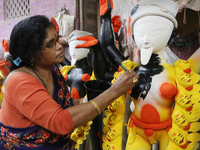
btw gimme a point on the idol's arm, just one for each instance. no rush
(107, 35)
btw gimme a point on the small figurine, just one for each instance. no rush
(81, 69)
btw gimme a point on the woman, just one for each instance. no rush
(37, 112)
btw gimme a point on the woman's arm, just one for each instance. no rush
(33, 101)
(85, 112)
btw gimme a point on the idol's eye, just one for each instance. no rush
(154, 33)
(139, 33)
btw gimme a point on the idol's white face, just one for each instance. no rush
(151, 34)
(77, 53)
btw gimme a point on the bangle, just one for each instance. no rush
(96, 106)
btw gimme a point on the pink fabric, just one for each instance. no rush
(30, 104)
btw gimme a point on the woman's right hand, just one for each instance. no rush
(126, 81)
(85, 112)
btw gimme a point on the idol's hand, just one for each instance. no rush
(90, 42)
(4, 67)
(5, 44)
(116, 22)
(105, 8)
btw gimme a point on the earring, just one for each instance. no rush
(32, 62)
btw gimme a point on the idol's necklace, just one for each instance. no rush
(39, 77)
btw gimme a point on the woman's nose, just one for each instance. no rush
(58, 46)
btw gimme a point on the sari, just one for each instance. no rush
(36, 137)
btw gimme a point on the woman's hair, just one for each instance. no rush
(26, 40)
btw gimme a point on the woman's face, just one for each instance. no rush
(52, 51)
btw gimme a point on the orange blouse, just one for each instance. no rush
(27, 103)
